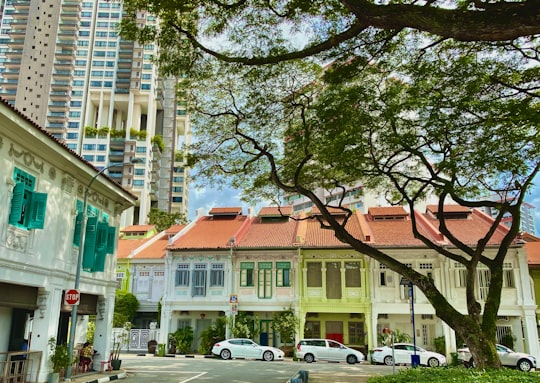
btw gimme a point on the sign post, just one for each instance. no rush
(72, 297)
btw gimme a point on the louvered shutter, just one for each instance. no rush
(101, 246)
(77, 230)
(37, 209)
(111, 239)
(90, 238)
(17, 202)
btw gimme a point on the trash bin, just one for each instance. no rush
(152, 345)
(415, 360)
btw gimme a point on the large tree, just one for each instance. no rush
(403, 111)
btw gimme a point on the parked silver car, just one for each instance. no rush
(508, 357)
(402, 353)
(312, 350)
(246, 348)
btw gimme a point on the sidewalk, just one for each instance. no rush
(97, 377)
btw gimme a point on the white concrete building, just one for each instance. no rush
(42, 194)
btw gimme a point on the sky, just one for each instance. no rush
(208, 197)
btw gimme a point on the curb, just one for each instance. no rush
(109, 378)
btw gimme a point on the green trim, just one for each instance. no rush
(247, 265)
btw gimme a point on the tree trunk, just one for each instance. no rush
(482, 347)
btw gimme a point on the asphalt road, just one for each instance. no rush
(150, 369)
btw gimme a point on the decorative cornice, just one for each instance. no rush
(28, 158)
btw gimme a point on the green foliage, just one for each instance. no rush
(286, 323)
(161, 349)
(121, 340)
(164, 220)
(90, 132)
(211, 335)
(398, 337)
(456, 375)
(440, 345)
(404, 112)
(243, 325)
(508, 340)
(90, 331)
(183, 338)
(58, 355)
(157, 140)
(120, 133)
(137, 134)
(125, 308)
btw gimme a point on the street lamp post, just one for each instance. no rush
(73, 326)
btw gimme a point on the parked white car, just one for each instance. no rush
(312, 350)
(508, 357)
(402, 353)
(247, 349)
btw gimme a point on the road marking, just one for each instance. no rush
(193, 377)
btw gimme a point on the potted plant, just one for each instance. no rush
(286, 323)
(121, 338)
(59, 358)
(183, 338)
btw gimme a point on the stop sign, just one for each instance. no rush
(72, 297)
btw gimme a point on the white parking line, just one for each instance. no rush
(193, 377)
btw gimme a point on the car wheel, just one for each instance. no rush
(268, 356)
(524, 365)
(225, 354)
(351, 359)
(388, 360)
(433, 362)
(472, 363)
(309, 358)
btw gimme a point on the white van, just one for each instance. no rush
(312, 350)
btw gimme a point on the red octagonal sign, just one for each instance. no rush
(72, 297)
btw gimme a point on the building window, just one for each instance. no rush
(182, 275)
(356, 333)
(352, 274)
(312, 329)
(283, 274)
(314, 274)
(265, 280)
(217, 275)
(198, 287)
(246, 273)
(27, 206)
(385, 276)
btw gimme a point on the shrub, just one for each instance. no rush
(456, 375)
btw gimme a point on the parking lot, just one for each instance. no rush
(146, 369)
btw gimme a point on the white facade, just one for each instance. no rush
(63, 64)
(38, 246)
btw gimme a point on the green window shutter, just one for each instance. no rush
(111, 240)
(77, 231)
(17, 202)
(37, 208)
(101, 248)
(79, 206)
(90, 239)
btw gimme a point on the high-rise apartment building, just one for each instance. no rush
(64, 65)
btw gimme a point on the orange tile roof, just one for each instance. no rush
(452, 208)
(126, 246)
(386, 211)
(225, 210)
(533, 253)
(137, 228)
(269, 234)
(394, 233)
(211, 232)
(471, 229)
(155, 250)
(175, 229)
(275, 211)
(316, 236)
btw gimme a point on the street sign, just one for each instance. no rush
(233, 298)
(234, 308)
(72, 297)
